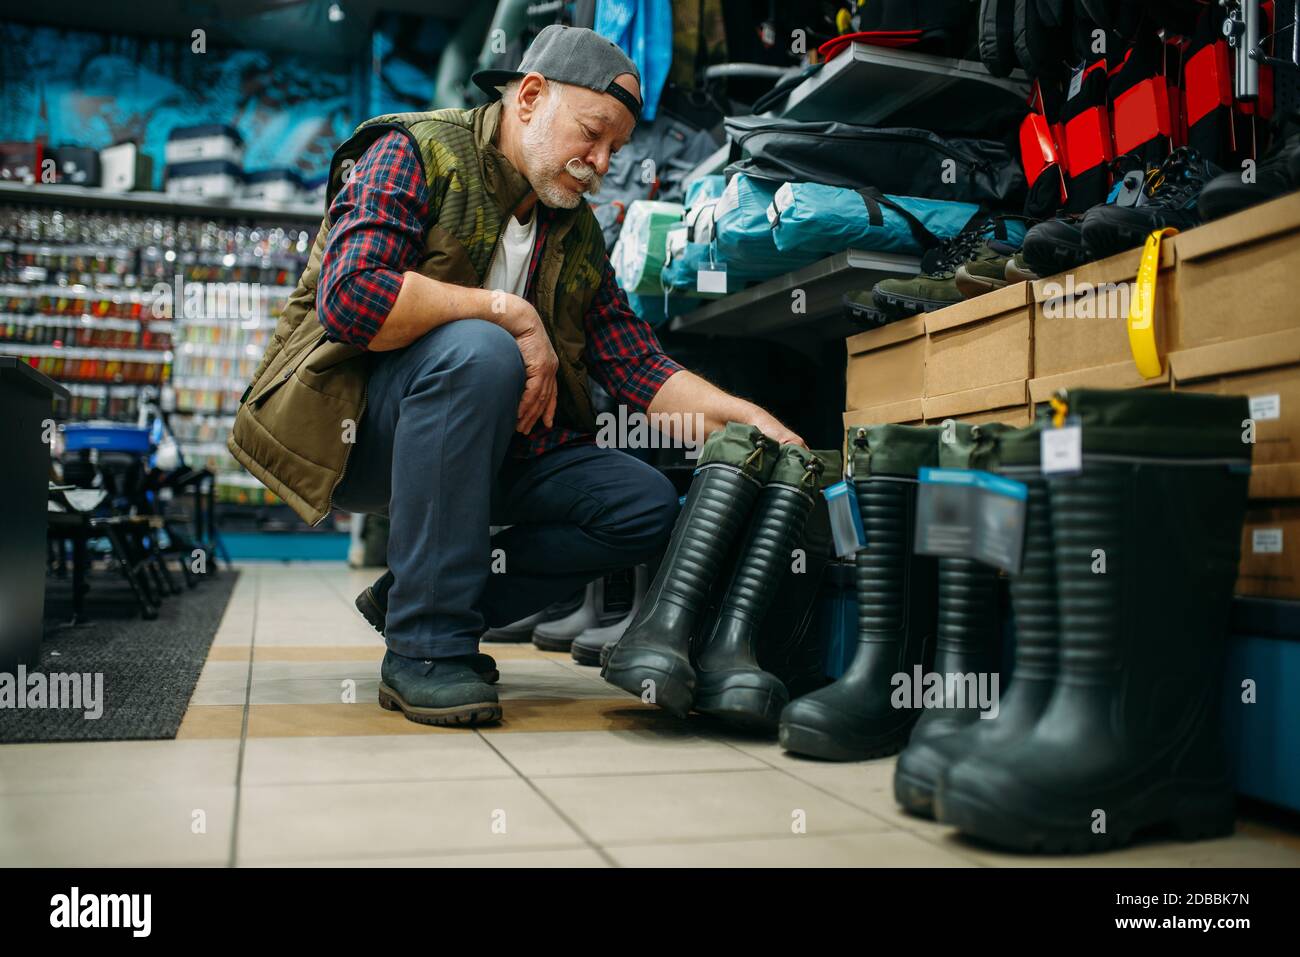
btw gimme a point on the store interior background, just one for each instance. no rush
(294, 79)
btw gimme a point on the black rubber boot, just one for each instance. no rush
(652, 659)
(1148, 537)
(969, 633)
(729, 683)
(1033, 608)
(853, 718)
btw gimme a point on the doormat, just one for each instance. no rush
(117, 677)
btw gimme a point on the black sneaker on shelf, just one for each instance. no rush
(1171, 193)
(1055, 246)
(1276, 174)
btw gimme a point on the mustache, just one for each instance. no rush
(584, 174)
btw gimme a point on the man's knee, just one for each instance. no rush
(652, 510)
(482, 348)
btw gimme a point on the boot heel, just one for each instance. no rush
(754, 709)
(387, 701)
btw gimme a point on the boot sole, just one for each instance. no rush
(815, 743)
(754, 709)
(585, 656)
(369, 609)
(908, 305)
(674, 694)
(464, 715)
(544, 643)
(1191, 817)
(914, 795)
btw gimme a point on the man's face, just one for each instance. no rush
(569, 135)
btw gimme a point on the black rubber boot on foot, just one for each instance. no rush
(853, 718)
(1148, 537)
(652, 659)
(729, 683)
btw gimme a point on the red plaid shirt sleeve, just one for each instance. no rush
(376, 234)
(623, 352)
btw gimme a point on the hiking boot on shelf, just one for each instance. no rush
(986, 270)
(1055, 246)
(859, 307)
(1017, 270)
(1170, 192)
(936, 286)
(1277, 174)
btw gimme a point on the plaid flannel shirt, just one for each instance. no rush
(379, 219)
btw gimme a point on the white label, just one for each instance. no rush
(712, 279)
(1266, 541)
(1076, 84)
(1062, 450)
(1264, 407)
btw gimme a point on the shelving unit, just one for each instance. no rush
(768, 308)
(878, 86)
(150, 202)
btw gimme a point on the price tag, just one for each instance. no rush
(1265, 407)
(968, 513)
(712, 278)
(1062, 450)
(1266, 541)
(846, 521)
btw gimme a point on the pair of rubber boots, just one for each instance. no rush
(749, 497)
(606, 605)
(1111, 724)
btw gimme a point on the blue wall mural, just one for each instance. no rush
(90, 89)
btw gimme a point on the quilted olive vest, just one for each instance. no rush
(308, 394)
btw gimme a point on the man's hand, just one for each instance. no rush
(688, 394)
(773, 429)
(517, 316)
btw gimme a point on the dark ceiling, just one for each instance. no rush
(301, 25)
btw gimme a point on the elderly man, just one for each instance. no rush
(433, 365)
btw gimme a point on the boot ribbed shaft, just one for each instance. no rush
(1033, 591)
(778, 524)
(716, 508)
(882, 566)
(1088, 512)
(967, 607)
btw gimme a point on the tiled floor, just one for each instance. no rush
(285, 757)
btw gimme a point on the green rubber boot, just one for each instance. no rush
(1147, 537)
(969, 635)
(853, 718)
(729, 682)
(652, 659)
(1034, 613)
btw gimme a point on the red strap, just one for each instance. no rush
(879, 38)
(1207, 82)
(1037, 148)
(1141, 113)
(1087, 140)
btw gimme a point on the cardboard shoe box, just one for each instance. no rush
(1080, 332)
(978, 358)
(1265, 369)
(1270, 551)
(886, 365)
(1237, 275)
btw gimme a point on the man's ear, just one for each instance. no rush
(529, 94)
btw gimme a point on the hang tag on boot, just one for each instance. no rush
(1061, 449)
(846, 521)
(968, 513)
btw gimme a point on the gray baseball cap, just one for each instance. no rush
(570, 55)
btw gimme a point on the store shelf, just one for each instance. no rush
(88, 198)
(766, 309)
(876, 86)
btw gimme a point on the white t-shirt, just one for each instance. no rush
(509, 269)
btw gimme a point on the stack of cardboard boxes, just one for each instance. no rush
(1227, 320)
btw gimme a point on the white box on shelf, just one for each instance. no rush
(208, 141)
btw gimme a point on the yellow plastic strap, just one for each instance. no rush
(1142, 310)
(1059, 409)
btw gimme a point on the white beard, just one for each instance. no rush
(544, 163)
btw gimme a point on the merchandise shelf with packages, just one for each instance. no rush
(123, 302)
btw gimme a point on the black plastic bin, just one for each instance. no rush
(26, 402)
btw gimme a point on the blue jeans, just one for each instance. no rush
(432, 454)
